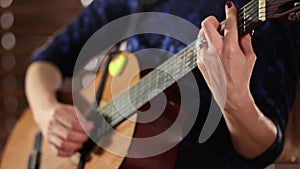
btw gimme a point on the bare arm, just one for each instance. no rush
(291, 150)
(43, 80)
(58, 122)
(227, 63)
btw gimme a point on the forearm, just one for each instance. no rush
(251, 131)
(42, 81)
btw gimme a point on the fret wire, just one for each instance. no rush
(122, 108)
(244, 24)
(120, 101)
(247, 23)
(189, 49)
(143, 98)
(189, 61)
(251, 23)
(245, 10)
(135, 95)
(188, 46)
(252, 10)
(248, 5)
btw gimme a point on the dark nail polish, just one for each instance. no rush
(229, 4)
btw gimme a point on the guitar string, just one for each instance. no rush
(151, 81)
(117, 118)
(177, 60)
(134, 91)
(150, 87)
(190, 50)
(249, 15)
(240, 13)
(246, 5)
(117, 115)
(250, 12)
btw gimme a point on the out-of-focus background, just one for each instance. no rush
(25, 25)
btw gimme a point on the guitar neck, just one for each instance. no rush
(249, 16)
(155, 82)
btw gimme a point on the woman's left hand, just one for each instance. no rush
(226, 62)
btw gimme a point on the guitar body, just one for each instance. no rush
(21, 140)
(20, 143)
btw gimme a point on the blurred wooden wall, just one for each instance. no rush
(25, 25)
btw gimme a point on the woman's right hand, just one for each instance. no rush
(63, 128)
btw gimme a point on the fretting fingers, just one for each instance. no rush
(231, 29)
(245, 43)
(210, 28)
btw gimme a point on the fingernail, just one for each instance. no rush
(228, 4)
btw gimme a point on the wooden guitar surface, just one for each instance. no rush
(21, 140)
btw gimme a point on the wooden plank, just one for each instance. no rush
(49, 3)
(17, 93)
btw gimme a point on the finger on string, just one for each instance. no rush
(210, 28)
(246, 45)
(231, 29)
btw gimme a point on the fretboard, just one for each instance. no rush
(155, 82)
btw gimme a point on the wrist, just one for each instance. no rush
(237, 101)
(43, 105)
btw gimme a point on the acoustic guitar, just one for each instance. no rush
(21, 140)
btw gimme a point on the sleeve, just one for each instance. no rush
(64, 48)
(273, 84)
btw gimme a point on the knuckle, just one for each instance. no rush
(228, 50)
(49, 127)
(78, 146)
(85, 137)
(68, 135)
(57, 153)
(207, 21)
(56, 113)
(73, 124)
(230, 22)
(52, 123)
(61, 144)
